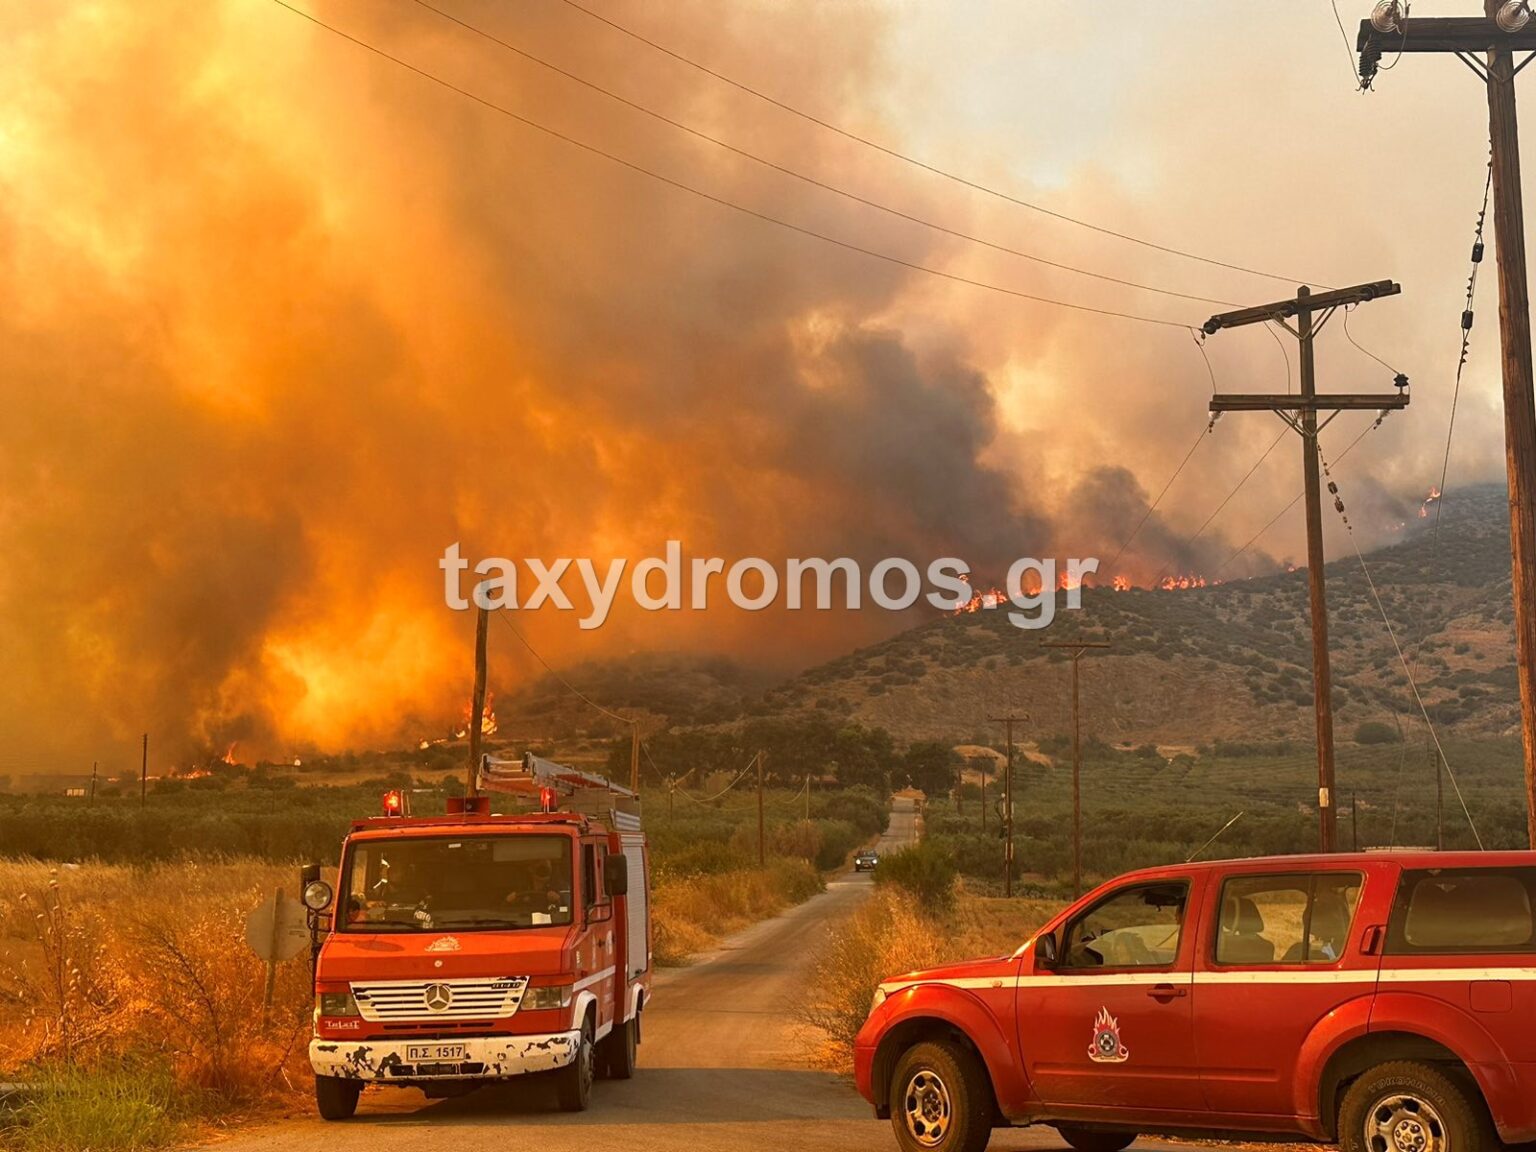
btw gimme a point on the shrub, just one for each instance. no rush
(1376, 732)
(926, 872)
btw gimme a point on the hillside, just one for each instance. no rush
(1228, 661)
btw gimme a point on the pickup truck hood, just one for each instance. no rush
(1002, 968)
(349, 956)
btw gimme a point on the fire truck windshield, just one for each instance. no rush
(463, 883)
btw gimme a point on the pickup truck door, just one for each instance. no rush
(1108, 1032)
(1285, 953)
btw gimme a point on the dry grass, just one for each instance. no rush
(892, 934)
(691, 913)
(105, 968)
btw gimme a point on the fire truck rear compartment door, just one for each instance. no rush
(637, 952)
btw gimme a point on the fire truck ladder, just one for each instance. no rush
(578, 791)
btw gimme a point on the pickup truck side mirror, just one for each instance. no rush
(616, 874)
(1045, 950)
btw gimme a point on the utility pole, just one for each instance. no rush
(1076, 648)
(762, 853)
(477, 699)
(634, 756)
(1504, 29)
(807, 795)
(1434, 756)
(92, 799)
(1008, 722)
(983, 774)
(1300, 317)
(144, 770)
(1354, 821)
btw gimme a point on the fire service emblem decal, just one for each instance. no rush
(1106, 1047)
(444, 944)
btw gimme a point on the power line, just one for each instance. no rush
(1402, 659)
(1476, 259)
(1147, 515)
(1350, 337)
(923, 164)
(575, 691)
(801, 176)
(1247, 476)
(703, 195)
(1295, 500)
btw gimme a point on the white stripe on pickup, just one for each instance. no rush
(1243, 976)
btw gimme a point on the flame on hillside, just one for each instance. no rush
(1434, 494)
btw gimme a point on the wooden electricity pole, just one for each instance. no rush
(634, 756)
(1008, 721)
(1504, 29)
(1439, 800)
(477, 700)
(1076, 648)
(762, 840)
(1304, 317)
(144, 770)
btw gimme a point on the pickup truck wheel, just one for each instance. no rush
(1406, 1106)
(574, 1083)
(621, 1049)
(1092, 1140)
(336, 1098)
(940, 1100)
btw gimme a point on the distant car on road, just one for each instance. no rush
(1383, 1002)
(866, 860)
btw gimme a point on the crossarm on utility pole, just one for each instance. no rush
(1274, 402)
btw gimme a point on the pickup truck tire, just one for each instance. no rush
(573, 1083)
(941, 1100)
(620, 1050)
(1406, 1106)
(1092, 1140)
(336, 1098)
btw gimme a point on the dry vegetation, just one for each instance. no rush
(691, 913)
(129, 1000)
(132, 1005)
(892, 934)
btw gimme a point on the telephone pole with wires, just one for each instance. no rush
(477, 697)
(1304, 316)
(1075, 649)
(1008, 722)
(1487, 45)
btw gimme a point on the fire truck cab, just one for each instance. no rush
(480, 945)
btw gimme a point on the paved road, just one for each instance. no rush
(720, 1069)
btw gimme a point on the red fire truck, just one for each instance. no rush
(482, 945)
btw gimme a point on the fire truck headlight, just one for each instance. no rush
(335, 1004)
(547, 997)
(879, 999)
(317, 895)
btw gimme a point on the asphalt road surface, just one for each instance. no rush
(721, 1068)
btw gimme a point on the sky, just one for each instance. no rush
(280, 319)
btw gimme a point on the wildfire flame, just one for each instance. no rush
(1180, 583)
(1434, 494)
(229, 753)
(487, 718)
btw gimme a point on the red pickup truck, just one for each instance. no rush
(1383, 1001)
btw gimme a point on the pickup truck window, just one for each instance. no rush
(1135, 927)
(1292, 919)
(1446, 910)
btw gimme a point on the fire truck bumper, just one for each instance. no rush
(478, 1058)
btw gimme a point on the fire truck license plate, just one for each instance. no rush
(433, 1053)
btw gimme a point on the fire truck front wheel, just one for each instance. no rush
(337, 1098)
(573, 1083)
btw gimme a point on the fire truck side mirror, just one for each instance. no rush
(616, 874)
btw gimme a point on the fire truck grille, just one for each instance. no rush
(427, 1000)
